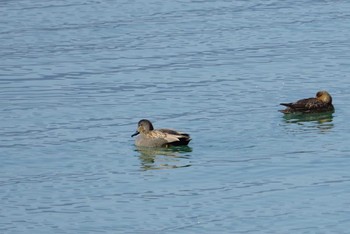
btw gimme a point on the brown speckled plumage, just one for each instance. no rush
(150, 137)
(321, 103)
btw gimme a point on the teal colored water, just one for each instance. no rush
(77, 76)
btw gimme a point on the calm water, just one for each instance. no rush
(76, 76)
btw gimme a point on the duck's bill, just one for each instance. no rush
(135, 134)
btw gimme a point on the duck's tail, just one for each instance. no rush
(287, 104)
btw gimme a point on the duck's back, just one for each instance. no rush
(308, 105)
(162, 138)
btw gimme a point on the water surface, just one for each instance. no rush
(76, 76)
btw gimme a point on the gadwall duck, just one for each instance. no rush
(150, 137)
(321, 103)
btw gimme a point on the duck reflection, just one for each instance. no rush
(164, 158)
(321, 121)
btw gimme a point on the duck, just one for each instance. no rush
(321, 103)
(150, 137)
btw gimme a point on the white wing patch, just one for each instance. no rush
(171, 138)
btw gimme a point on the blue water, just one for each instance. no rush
(76, 77)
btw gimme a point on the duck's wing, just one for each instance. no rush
(305, 105)
(164, 136)
(174, 137)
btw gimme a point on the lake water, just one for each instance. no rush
(76, 77)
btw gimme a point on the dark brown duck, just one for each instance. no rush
(150, 137)
(321, 103)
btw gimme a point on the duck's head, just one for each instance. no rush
(143, 126)
(324, 96)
